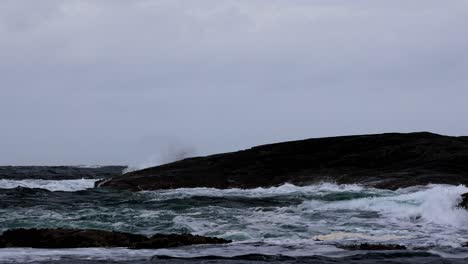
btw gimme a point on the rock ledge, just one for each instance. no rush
(76, 238)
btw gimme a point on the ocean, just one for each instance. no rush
(287, 223)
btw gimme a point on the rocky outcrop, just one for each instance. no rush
(166, 241)
(464, 201)
(62, 172)
(367, 246)
(384, 161)
(74, 238)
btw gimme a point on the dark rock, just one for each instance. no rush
(164, 241)
(390, 257)
(384, 161)
(464, 201)
(74, 238)
(66, 238)
(366, 246)
(59, 172)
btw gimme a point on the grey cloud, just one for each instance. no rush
(88, 81)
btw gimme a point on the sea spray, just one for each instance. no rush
(432, 204)
(169, 149)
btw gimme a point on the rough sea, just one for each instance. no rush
(287, 224)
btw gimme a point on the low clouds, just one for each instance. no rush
(87, 81)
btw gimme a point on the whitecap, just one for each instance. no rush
(51, 185)
(436, 204)
(285, 189)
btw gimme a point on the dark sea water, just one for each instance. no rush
(287, 224)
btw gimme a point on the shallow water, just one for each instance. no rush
(287, 220)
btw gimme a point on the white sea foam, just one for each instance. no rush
(421, 216)
(25, 255)
(51, 185)
(350, 235)
(285, 189)
(89, 166)
(424, 216)
(435, 204)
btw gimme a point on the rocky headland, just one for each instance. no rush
(391, 161)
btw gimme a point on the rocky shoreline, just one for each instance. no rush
(76, 238)
(84, 238)
(388, 161)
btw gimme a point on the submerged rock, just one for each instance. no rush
(165, 241)
(75, 238)
(366, 246)
(368, 258)
(384, 161)
(464, 202)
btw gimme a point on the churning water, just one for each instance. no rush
(287, 220)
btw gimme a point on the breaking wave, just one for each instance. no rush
(435, 204)
(51, 185)
(287, 220)
(285, 189)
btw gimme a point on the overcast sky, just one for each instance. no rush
(139, 82)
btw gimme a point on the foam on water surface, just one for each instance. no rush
(288, 219)
(435, 204)
(51, 185)
(285, 189)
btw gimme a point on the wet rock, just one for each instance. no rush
(75, 238)
(164, 241)
(366, 246)
(389, 161)
(464, 201)
(66, 238)
(390, 257)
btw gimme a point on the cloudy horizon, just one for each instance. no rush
(133, 82)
